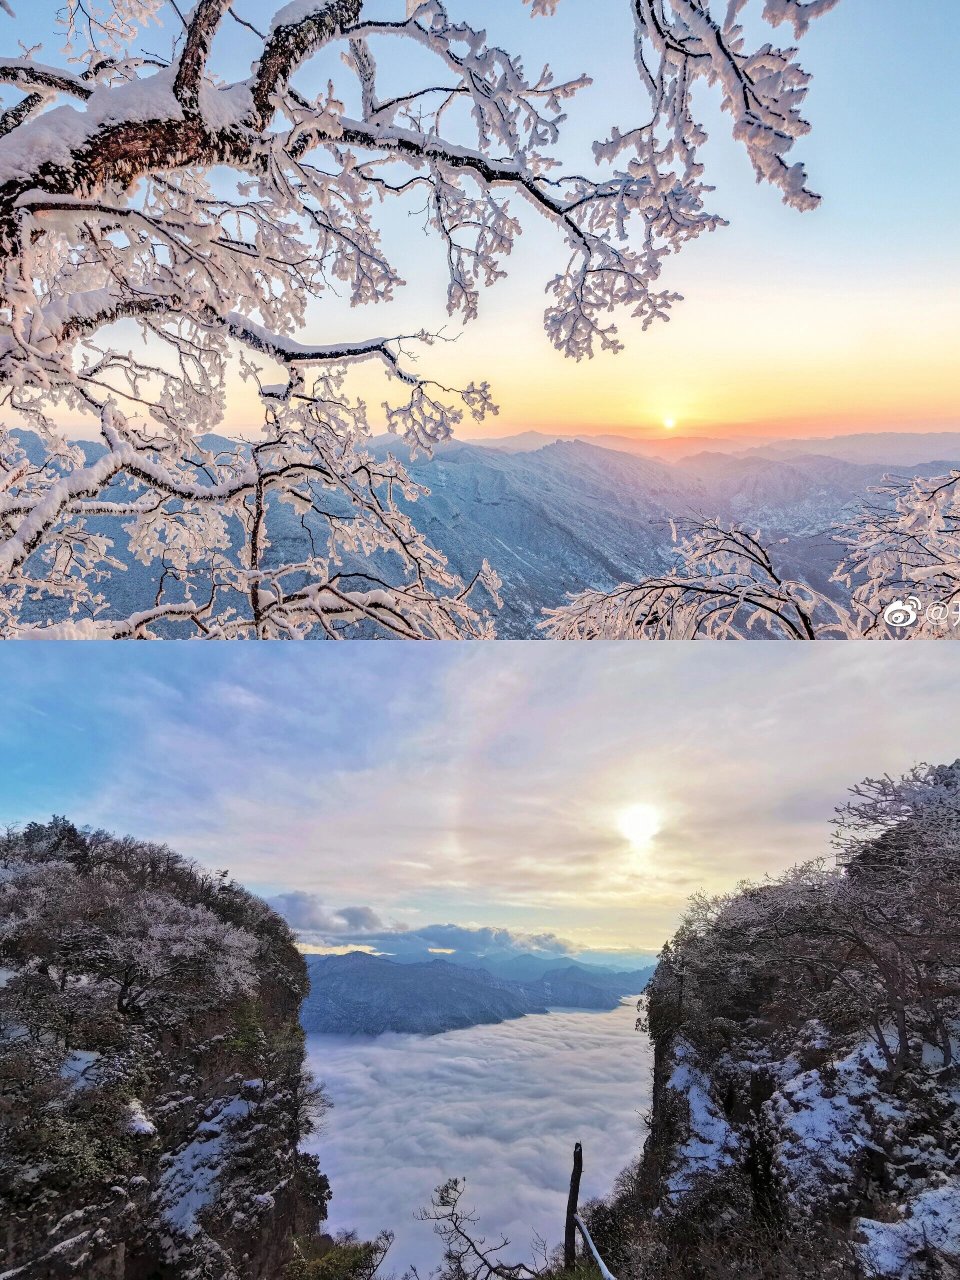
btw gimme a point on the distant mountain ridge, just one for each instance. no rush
(503, 961)
(885, 448)
(361, 994)
(572, 514)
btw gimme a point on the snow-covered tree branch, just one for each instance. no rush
(906, 544)
(726, 587)
(145, 195)
(899, 577)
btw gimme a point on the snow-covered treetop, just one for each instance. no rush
(145, 187)
(919, 811)
(152, 928)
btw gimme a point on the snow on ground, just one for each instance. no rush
(77, 1067)
(501, 1105)
(932, 1218)
(829, 1119)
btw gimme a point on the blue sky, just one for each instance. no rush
(482, 785)
(840, 319)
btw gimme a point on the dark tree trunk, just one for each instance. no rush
(570, 1234)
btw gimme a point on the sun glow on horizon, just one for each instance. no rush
(669, 423)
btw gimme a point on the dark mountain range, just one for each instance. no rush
(527, 968)
(360, 994)
(517, 966)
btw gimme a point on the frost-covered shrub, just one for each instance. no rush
(901, 545)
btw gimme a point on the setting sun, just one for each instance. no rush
(669, 423)
(638, 824)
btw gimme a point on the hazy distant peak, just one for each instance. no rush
(893, 448)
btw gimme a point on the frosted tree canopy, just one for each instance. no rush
(143, 191)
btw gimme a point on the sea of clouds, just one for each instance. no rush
(501, 1106)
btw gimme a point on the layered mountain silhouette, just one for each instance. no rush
(362, 994)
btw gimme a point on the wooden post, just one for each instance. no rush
(570, 1234)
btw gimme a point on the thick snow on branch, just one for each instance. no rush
(726, 586)
(141, 189)
(907, 542)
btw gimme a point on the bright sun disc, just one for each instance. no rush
(638, 824)
(669, 423)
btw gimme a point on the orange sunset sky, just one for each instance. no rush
(843, 319)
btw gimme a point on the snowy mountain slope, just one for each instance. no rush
(797, 493)
(833, 1138)
(549, 522)
(572, 514)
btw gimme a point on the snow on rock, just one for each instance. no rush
(139, 1122)
(711, 1144)
(824, 1120)
(188, 1183)
(899, 1249)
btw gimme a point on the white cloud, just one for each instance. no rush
(501, 1106)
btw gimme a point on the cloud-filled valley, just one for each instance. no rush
(501, 1106)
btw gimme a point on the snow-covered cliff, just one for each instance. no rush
(152, 1090)
(806, 1105)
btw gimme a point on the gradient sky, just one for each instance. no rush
(482, 785)
(843, 319)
